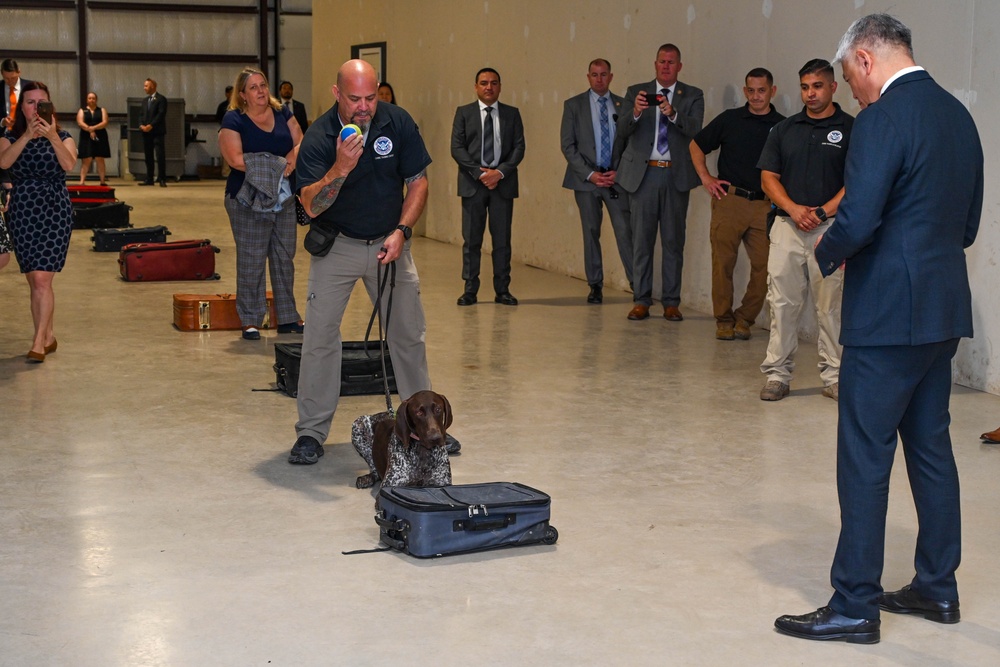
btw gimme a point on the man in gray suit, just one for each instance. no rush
(660, 120)
(487, 142)
(587, 136)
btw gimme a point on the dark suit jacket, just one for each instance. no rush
(634, 141)
(467, 144)
(155, 114)
(913, 197)
(299, 111)
(6, 94)
(577, 139)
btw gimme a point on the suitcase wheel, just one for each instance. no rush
(550, 536)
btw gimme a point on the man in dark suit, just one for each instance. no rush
(12, 83)
(587, 137)
(657, 172)
(914, 194)
(298, 109)
(487, 142)
(154, 131)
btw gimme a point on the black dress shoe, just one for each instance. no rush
(506, 299)
(467, 299)
(146, 183)
(908, 601)
(826, 624)
(163, 184)
(596, 294)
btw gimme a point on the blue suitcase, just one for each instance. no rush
(448, 520)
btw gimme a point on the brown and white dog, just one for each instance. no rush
(407, 451)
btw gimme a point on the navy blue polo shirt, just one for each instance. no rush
(370, 202)
(809, 154)
(741, 134)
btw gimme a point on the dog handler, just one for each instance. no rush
(364, 193)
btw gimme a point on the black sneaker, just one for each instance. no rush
(451, 445)
(306, 451)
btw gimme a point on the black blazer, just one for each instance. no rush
(155, 114)
(467, 142)
(299, 111)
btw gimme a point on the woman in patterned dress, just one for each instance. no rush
(94, 143)
(38, 154)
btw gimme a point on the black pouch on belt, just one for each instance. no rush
(320, 239)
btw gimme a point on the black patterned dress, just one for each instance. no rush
(40, 217)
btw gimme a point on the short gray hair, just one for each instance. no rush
(874, 33)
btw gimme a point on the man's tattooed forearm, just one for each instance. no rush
(326, 196)
(422, 174)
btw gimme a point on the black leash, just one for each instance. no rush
(365, 551)
(382, 279)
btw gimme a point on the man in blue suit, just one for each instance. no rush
(153, 123)
(914, 194)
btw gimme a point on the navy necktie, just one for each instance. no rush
(605, 158)
(488, 138)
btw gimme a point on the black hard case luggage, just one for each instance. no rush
(449, 520)
(103, 216)
(360, 371)
(113, 240)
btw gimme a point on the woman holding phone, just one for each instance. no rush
(38, 154)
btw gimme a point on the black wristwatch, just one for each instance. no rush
(407, 231)
(821, 214)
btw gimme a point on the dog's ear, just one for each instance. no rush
(403, 426)
(447, 411)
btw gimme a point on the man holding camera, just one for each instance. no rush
(660, 120)
(587, 137)
(739, 206)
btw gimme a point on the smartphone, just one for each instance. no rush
(654, 99)
(45, 111)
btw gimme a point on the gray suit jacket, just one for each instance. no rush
(634, 141)
(577, 140)
(467, 142)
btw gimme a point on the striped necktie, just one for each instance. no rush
(605, 158)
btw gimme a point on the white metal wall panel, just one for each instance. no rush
(137, 32)
(35, 29)
(203, 86)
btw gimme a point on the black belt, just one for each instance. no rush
(751, 195)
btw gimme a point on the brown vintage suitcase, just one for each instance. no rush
(192, 259)
(215, 312)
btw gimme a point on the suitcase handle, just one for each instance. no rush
(492, 523)
(399, 525)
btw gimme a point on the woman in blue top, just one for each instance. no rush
(38, 155)
(258, 131)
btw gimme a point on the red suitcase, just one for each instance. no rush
(85, 196)
(175, 260)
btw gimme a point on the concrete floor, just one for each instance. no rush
(149, 516)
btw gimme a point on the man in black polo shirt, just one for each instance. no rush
(739, 206)
(353, 189)
(802, 171)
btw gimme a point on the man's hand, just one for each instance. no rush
(348, 153)
(804, 218)
(640, 105)
(603, 180)
(714, 186)
(490, 177)
(392, 247)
